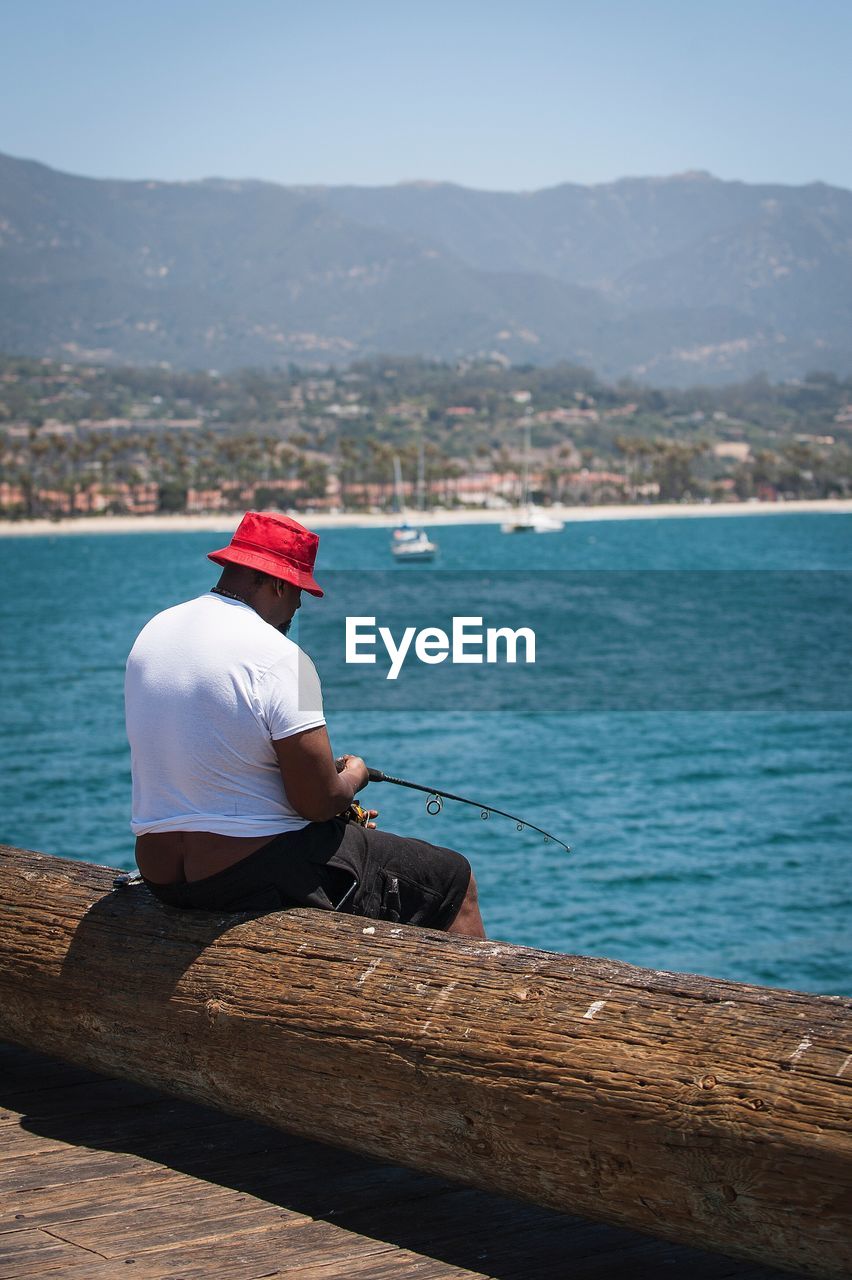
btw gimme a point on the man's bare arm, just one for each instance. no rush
(314, 787)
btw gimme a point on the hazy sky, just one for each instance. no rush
(488, 93)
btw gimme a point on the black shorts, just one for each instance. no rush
(338, 866)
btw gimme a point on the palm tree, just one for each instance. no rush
(350, 468)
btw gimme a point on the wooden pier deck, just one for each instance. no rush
(101, 1178)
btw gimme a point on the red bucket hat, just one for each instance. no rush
(276, 545)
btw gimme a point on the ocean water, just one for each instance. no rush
(710, 836)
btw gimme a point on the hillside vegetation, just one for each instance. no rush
(669, 281)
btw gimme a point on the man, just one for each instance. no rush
(238, 804)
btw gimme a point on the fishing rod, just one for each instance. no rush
(435, 804)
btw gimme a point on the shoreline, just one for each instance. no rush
(227, 522)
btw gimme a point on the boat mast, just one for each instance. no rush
(421, 477)
(399, 504)
(525, 472)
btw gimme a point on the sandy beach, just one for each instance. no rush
(360, 520)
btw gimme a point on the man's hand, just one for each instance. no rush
(340, 764)
(356, 768)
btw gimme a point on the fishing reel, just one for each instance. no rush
(356, 813)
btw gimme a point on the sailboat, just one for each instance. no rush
(530, 519)
(407, 541)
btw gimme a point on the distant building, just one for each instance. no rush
(739, 450)
(567, 416)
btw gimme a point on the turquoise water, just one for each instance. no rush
(714, 841)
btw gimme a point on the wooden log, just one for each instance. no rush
(713, 1113)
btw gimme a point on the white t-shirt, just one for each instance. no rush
(209, 687)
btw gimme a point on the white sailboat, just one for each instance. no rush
(407, 541)
(530, 519)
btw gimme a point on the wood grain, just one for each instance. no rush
(236, 1198)
(701, 1111)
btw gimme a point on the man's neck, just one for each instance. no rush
(236, 587)
(231, 595)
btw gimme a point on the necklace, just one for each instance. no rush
(232, 595)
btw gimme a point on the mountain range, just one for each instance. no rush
(666, 280)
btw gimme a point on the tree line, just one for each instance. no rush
(82, 437)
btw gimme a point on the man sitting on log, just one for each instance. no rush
(238, 804)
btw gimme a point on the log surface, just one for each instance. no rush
(708, 1112)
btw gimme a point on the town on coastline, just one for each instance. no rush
(83, 439)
